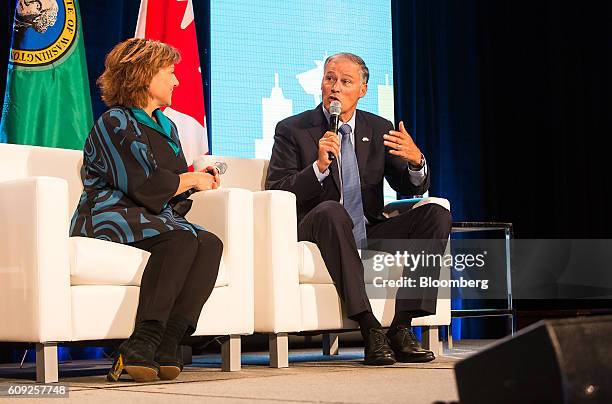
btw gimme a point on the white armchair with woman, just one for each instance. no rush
(136, 189)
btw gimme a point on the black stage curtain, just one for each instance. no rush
(509, 100)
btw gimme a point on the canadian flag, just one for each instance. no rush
(172, 22)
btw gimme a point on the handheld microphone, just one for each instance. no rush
(335, 108)
(220, 166)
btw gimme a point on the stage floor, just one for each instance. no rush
(311, 377)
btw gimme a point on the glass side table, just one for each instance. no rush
(506, 228)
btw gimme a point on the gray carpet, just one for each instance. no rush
(311, 377)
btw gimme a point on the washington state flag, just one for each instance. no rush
(47, 101)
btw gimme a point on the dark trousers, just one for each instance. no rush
(180, 275)
(329, 226)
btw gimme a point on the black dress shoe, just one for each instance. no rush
(406, 347)
(377, 349)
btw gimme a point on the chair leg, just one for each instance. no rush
(230, 354)
(46, 363)
(449, 336)
(431, 339)
(330, 344)
(279, 350)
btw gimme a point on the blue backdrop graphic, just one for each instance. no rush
(250, 43)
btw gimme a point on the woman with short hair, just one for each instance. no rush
(135, 192)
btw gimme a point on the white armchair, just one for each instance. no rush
(56, 289)
(293, 289)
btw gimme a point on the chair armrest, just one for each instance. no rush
(277, 292)
(228, 213)
(34, 260)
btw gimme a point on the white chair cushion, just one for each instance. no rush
(241, 173)
(100, 262)
(312, 269)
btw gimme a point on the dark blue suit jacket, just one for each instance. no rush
(296, 144)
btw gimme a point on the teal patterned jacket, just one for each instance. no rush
(131, 172)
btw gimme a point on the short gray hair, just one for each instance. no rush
(365, 73)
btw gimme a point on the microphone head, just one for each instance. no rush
(220, 166)
(335, 107)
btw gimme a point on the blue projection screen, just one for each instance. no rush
(267, 63)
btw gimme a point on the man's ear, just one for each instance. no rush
(363, 90)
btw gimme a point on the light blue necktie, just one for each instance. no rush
(351, 186)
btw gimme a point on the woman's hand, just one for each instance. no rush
(214, 172)
(205, 181)
(200, 181)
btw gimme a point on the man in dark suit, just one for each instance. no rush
(340, 200)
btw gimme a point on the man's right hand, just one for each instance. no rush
(329, 143)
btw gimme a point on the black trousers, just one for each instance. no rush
(329, 226)
(180, 275)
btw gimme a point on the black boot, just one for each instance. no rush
(136, 355)
(167, 355)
